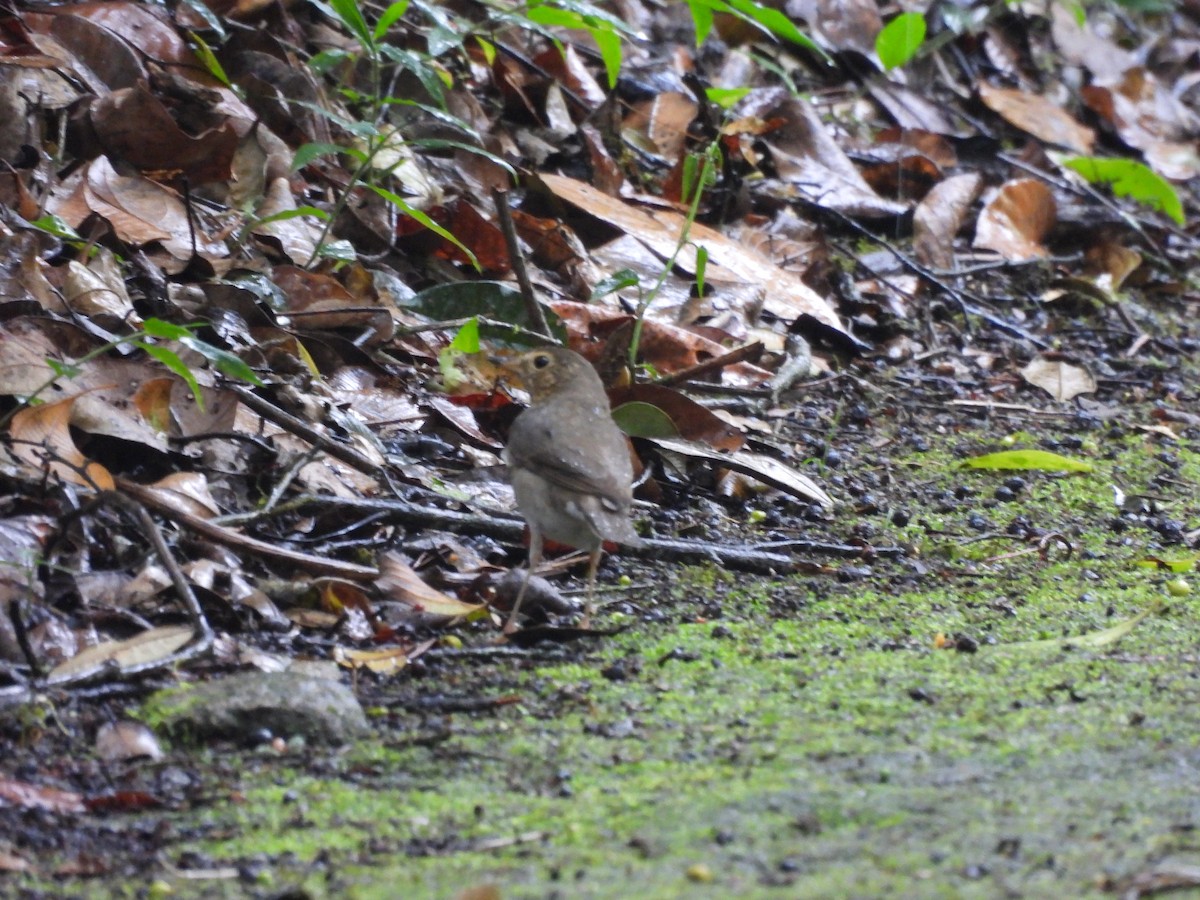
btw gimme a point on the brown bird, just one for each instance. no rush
(568, 462)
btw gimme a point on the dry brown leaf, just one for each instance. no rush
(33, 796)
(660, 126)
(1111, 263)
(296, 237)
(89, 293)
(913, 111)
(385, 661)
(188, 492)
(1080, 45)
(692, 421)
(1016, 219)
(123, 740)
(785, 295)
(1040, 116)
(565, 64)
(123, 118)
(316, 302)
(841, 24)
(139, 211)
(939, 216)
(143, 649)
(1148, 117)
(42, 438)
(11, 862)
(144, 28)
(398, 583)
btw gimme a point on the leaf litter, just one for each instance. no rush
(917, 229)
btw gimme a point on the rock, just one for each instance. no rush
(284, 703)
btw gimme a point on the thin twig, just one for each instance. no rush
(716, 363)
(350, 571)
(516, 259)
(302, 429)
(966, 301)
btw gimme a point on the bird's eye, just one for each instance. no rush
(541, 361)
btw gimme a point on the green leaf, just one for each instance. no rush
(900, 39)
(617, 281)
(488, 48)
(166, 330)
(1130, 179)
(443, 144)
(1178, 566)
(306, 153)
(725, 97)
(411, 211)
(772, 21)
(459, 299)
(1041, 460)
(224, 361)
(495, 300)
(429, 77)
(467, 339)
(390, 16)
(702, 19)
(639, 419)
(62, 369)
(687, 181)
(342, 251)
(701, 266)
(1094, 640)
(351, 16)
(52, 224)
(322, 62)
(365, 130)
(609, 43)
(296, 213)
(211, 63)
(171, 360)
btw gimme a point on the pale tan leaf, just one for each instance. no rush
(398, 583)
(187, 491)
(147, 647)
(119, 741)
(1040, 116)
(1061, 380)
(939, 216)
(385, 661)
(296, 237)
(785, 295)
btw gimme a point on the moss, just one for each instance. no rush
(810, 740)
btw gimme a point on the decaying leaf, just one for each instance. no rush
(42, 439)
(1016, 219)
(398, 583)
(762, 468)
(1061, 380)
(148, 647)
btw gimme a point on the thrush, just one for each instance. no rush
(568, 462)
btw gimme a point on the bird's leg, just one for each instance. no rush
(589, 607)
(535, 560)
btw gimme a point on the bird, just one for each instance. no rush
(568, 462)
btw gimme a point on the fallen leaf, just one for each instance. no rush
(1061, 380)
(1016, 218)
(42, 438)
(148, 647)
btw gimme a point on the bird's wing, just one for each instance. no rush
(536, 449)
